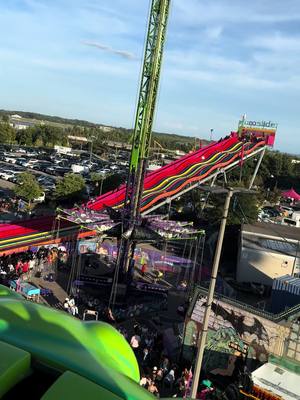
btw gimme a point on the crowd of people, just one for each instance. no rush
(40, 263)
(13, 205)
(159, 375)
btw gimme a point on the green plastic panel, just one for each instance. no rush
(14, 366)
(94, 350)
(71, 386)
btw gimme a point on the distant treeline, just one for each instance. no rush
(48, 118)
(101, 132)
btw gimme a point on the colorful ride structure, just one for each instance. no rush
(91, 359)
(160, 187)
(180, 176)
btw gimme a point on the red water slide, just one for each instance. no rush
(173, 169)
(20, 228)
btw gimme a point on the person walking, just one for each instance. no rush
(135, 343)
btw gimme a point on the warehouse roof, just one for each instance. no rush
(263, 229)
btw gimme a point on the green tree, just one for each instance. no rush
(7, 133)
(273, 196)
(112, 182)
(24, 137)
(70, 186)
(52, 135)
(5, 118)
(28, 187)
(243, 208)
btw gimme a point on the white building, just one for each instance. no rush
(15, 116)
(278, 380)
(267, 252)
(20, 125)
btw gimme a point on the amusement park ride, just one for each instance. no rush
(91, 359)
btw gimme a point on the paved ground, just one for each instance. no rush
(58, 289)
(6, 185)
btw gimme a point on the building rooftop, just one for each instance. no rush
(271, 245)
(277, 379)
(288, 280)
(24, 123)
(272, 231)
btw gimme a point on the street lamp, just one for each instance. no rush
(210, 295)
(276, 181)
(211, 134)
(91, 149)
(103, 176)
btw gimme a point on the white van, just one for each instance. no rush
(292, 221)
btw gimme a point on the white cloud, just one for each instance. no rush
(200, 67)
(226, 55)
(122, 53)
(87, 65)
(276, 42)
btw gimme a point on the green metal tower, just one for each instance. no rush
(146, 103)
(156, 35)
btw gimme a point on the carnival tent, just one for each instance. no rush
(292, 194)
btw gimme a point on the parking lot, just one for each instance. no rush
(48, 165)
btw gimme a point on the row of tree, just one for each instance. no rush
(277, 171)
(47, 135)
(70, 187)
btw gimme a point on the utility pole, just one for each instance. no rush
(91, 150)
(210, 296)
(295, 264)
(101, 185)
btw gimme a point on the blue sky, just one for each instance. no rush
(223, 58)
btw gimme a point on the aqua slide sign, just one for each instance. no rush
(257, 124)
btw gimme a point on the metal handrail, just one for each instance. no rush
(265, 314)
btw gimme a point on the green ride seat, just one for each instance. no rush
(70, 386)
(14, 366)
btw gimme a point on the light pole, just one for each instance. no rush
(276, 181)
(91, 150)
(211, 134)
(101, 184)
(210, 295)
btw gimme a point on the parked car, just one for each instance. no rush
(10, 160)
(19, 150)
(7, 175)
(21, 161)
(273, 212)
